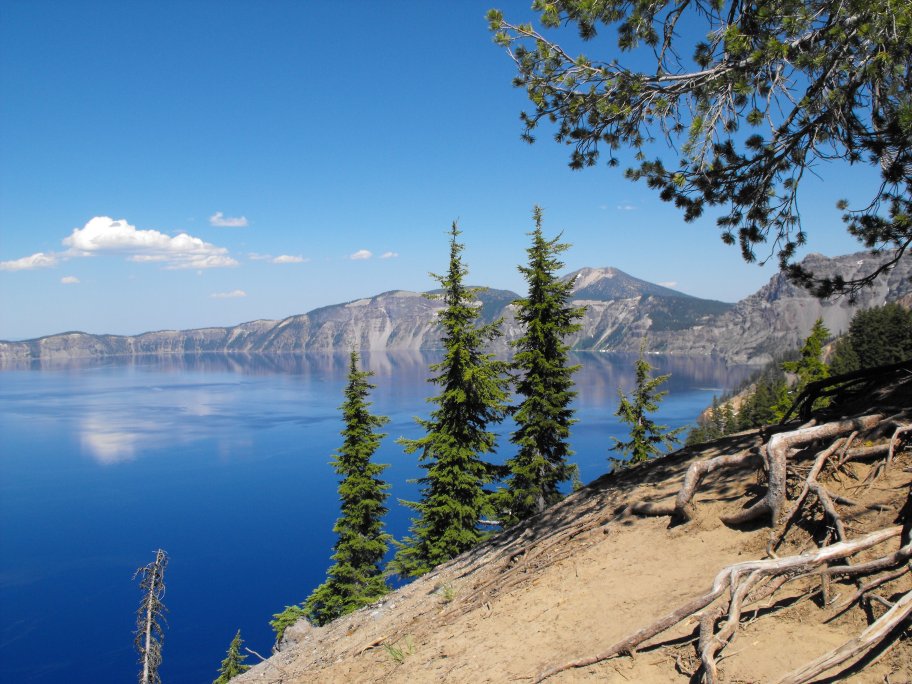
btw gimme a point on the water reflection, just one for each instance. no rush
(105, 443)
(382, 363)
(615, 368)
(603, 374)
(124, 407)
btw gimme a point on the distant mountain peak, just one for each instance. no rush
(585, 277)
(609, 283)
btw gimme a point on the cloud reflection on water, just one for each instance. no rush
(108, 442)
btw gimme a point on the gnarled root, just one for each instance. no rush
(682, 509)
(741, 583)
(777, 459)
(864, 642)
(754, 586)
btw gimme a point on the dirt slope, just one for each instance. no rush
(584, 575)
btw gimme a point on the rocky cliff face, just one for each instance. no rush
(620, 310)
(780, 315)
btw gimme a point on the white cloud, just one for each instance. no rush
(38, 260)
(389, 255)
(626, 206)
(361, 254)
(69, 280)
(103, 235)
(219, 220)
(289, 259)
(233, 294)
(669, 283)
(211, 261)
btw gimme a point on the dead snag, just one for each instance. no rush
(729, 580)
(149, 617)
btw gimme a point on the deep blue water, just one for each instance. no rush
(223, 462)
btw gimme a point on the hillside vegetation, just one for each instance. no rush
(746, 559)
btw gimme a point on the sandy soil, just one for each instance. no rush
(584, 575)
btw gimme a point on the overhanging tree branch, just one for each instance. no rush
(828, 79)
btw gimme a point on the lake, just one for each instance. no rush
(223, 461)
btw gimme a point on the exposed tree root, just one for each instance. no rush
(864, 642)
(777, 450)
(738, 581)
(745, 586)
(810, 484)
(869, 586)
(682, 509)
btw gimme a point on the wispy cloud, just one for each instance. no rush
(219, 220)
(361, 255)
(626, 206)
(669, 283)
(69, 280)
(38, 260)
(389, 255)
(233, 294)
(290, 259)
(104, 235)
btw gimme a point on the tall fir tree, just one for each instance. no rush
(356, 577)
(233, 664)
(809, 366)
(647, 438)
(544, 380)
(473, 396)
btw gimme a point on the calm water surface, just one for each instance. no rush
(223, 462)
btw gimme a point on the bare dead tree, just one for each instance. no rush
(149, 616)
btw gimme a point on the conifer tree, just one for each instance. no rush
(233, 664)
(878, 336)
(356, 578)
(810, 367)
(472, 397)
(646, 437)
(764, 405)
(544, 381)
(282, 621)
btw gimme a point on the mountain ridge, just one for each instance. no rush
(620, 311)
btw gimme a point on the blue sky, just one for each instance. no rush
(183, 164)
